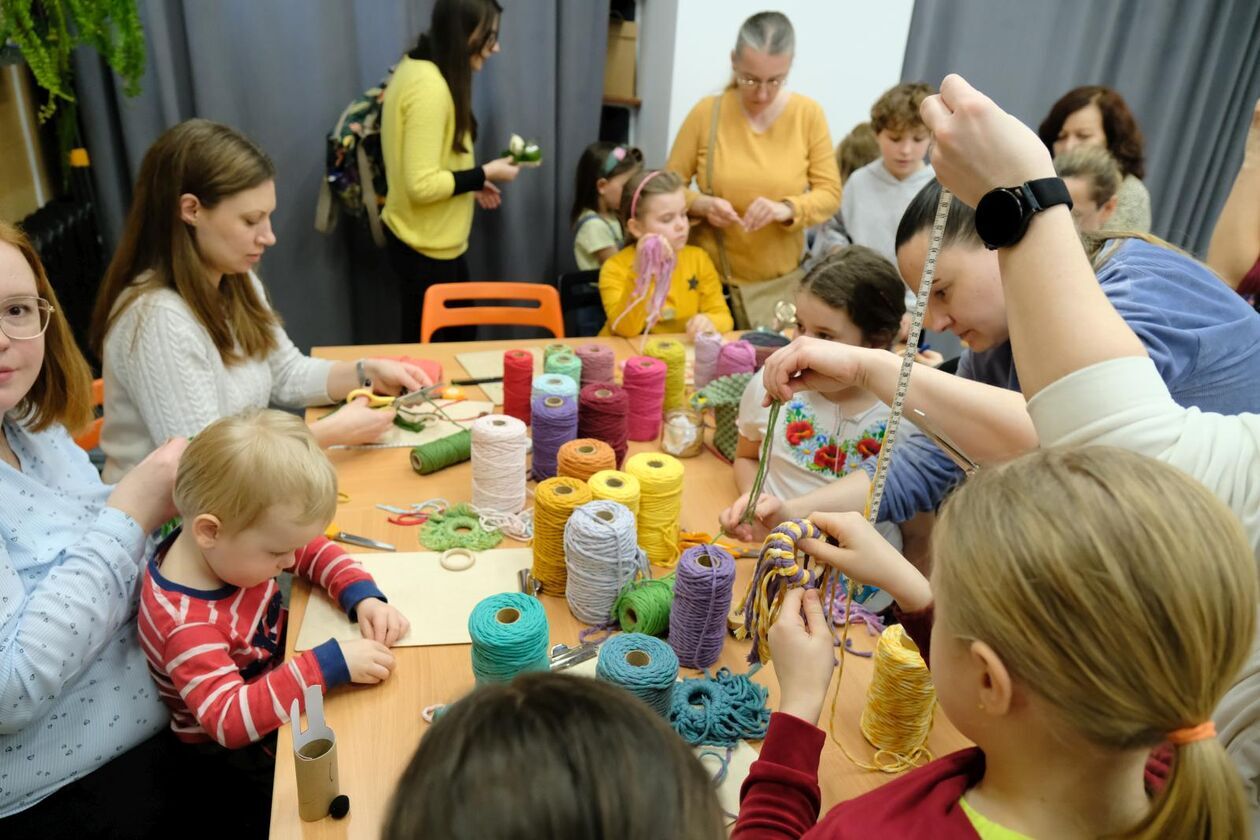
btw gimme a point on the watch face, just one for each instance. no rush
(999, 218)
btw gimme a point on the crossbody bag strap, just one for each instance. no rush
(723, 265)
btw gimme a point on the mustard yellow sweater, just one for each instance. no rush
(793, 161)
(417, 132)
(694, 288)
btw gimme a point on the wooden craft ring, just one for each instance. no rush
(451, 564)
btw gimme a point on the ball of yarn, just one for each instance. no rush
(509, 635)
(442, 453)
(708, 345)
(598, 363)
(736, 357)
(553, 384)
(702, 599)
(644, 381)
(602, 410)
(720, 711)
(555, 424)
(564, 364)
(764, 344)
(616, 486)
(498, 463)
(643, 665)
(643, 606)
(674, 355)
(554, 500)
(518, 378)
(601, 555)
(660, 504)
(583, 457)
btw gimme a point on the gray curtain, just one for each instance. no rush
(282, 71)
(1189, 69)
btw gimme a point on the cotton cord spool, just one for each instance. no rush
(720, 711)
(601, 556)
(616, 486)
(552, 349)
(564, 364)
(518, 378)
(442, 453)
(555, 424)
(643, 606)
(554, 501)
(660, 503)
(900, 705)
(509, 636)
(598, 364)
(553, 384)
(708, 345)
(644, 381)
(583, 457)
(643, 665)
(736, 357)
(498, 464)
(602, 410)
(764, 344)
(702, 598)
(674, 355)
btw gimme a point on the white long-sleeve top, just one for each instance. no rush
(74, 689)
(165, 378)
(1124, 402)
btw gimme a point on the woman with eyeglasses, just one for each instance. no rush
(427, 134)
(764, 165)
(83, 747)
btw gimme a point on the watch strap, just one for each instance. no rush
(1043, 193)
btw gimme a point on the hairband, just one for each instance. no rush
(1190, 734)
(616, 156)
(634, 201)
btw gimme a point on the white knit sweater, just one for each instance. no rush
(164, 378)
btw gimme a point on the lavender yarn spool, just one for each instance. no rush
(736, 357)
(702, 598)
(708, 345)
(554, 424)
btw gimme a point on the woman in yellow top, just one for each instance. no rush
(427, 132)
(653, 207)
(774, 169)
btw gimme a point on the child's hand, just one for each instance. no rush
(355, 423)
(368, 660)
(864, 555)
(770, 512)
(379, 621)
(699, 324)
(803, 651)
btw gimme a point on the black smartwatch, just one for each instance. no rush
(1003, 214)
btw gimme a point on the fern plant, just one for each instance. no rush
(48, 31)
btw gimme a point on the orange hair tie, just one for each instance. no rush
(1190, 734)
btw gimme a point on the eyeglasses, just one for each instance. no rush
(750, 82)
(24, 317)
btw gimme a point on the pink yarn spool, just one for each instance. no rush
(708, 345)
(598, 363)
(644, 382)
(736, 357)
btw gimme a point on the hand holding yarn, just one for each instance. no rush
(803, 648)
(770, 511)
(862, 554)
(380, 621)
(353, 424)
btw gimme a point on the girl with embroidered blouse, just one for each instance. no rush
(602, 173)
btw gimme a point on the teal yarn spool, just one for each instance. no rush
(554, 385)
(509, 635)
(442, 453)
(643, 665)
(643, 606)
(564, 364)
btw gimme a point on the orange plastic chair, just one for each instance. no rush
(90, 437)
(547, 314)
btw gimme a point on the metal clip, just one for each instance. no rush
(563, 656)
(527, 583)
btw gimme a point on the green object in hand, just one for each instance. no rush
(523, 151)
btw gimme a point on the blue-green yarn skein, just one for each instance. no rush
(509, 635)
(554, 385)
(643, 665)
(565, 364)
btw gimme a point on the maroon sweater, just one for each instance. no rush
(781, 799)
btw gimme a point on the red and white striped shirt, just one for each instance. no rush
(217, 655)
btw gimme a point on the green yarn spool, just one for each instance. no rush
(565, 363)
(458, 527)
(552, 349)
(442, 453)
(643, 606)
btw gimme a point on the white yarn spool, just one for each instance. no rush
(601, 554)
(498, 464)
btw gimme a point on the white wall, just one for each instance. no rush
(847, 54)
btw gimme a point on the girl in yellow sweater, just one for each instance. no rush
(659, 283)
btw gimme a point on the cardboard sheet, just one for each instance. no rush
(435, 600)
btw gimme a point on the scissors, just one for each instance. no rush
(335, 533)
(962, 459)
(376, 400)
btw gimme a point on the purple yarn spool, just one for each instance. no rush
(702, 598)
(554, 423)
(736, 357)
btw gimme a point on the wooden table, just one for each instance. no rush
(378, 727)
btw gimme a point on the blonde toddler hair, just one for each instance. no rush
(238, 467)
(1124, 594)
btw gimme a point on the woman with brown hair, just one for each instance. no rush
(1093, 115)
(182, 324)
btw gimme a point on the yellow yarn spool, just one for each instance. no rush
(616, 486)
(674, 355)
(660, 504)
(584, 457)
(554, 501)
